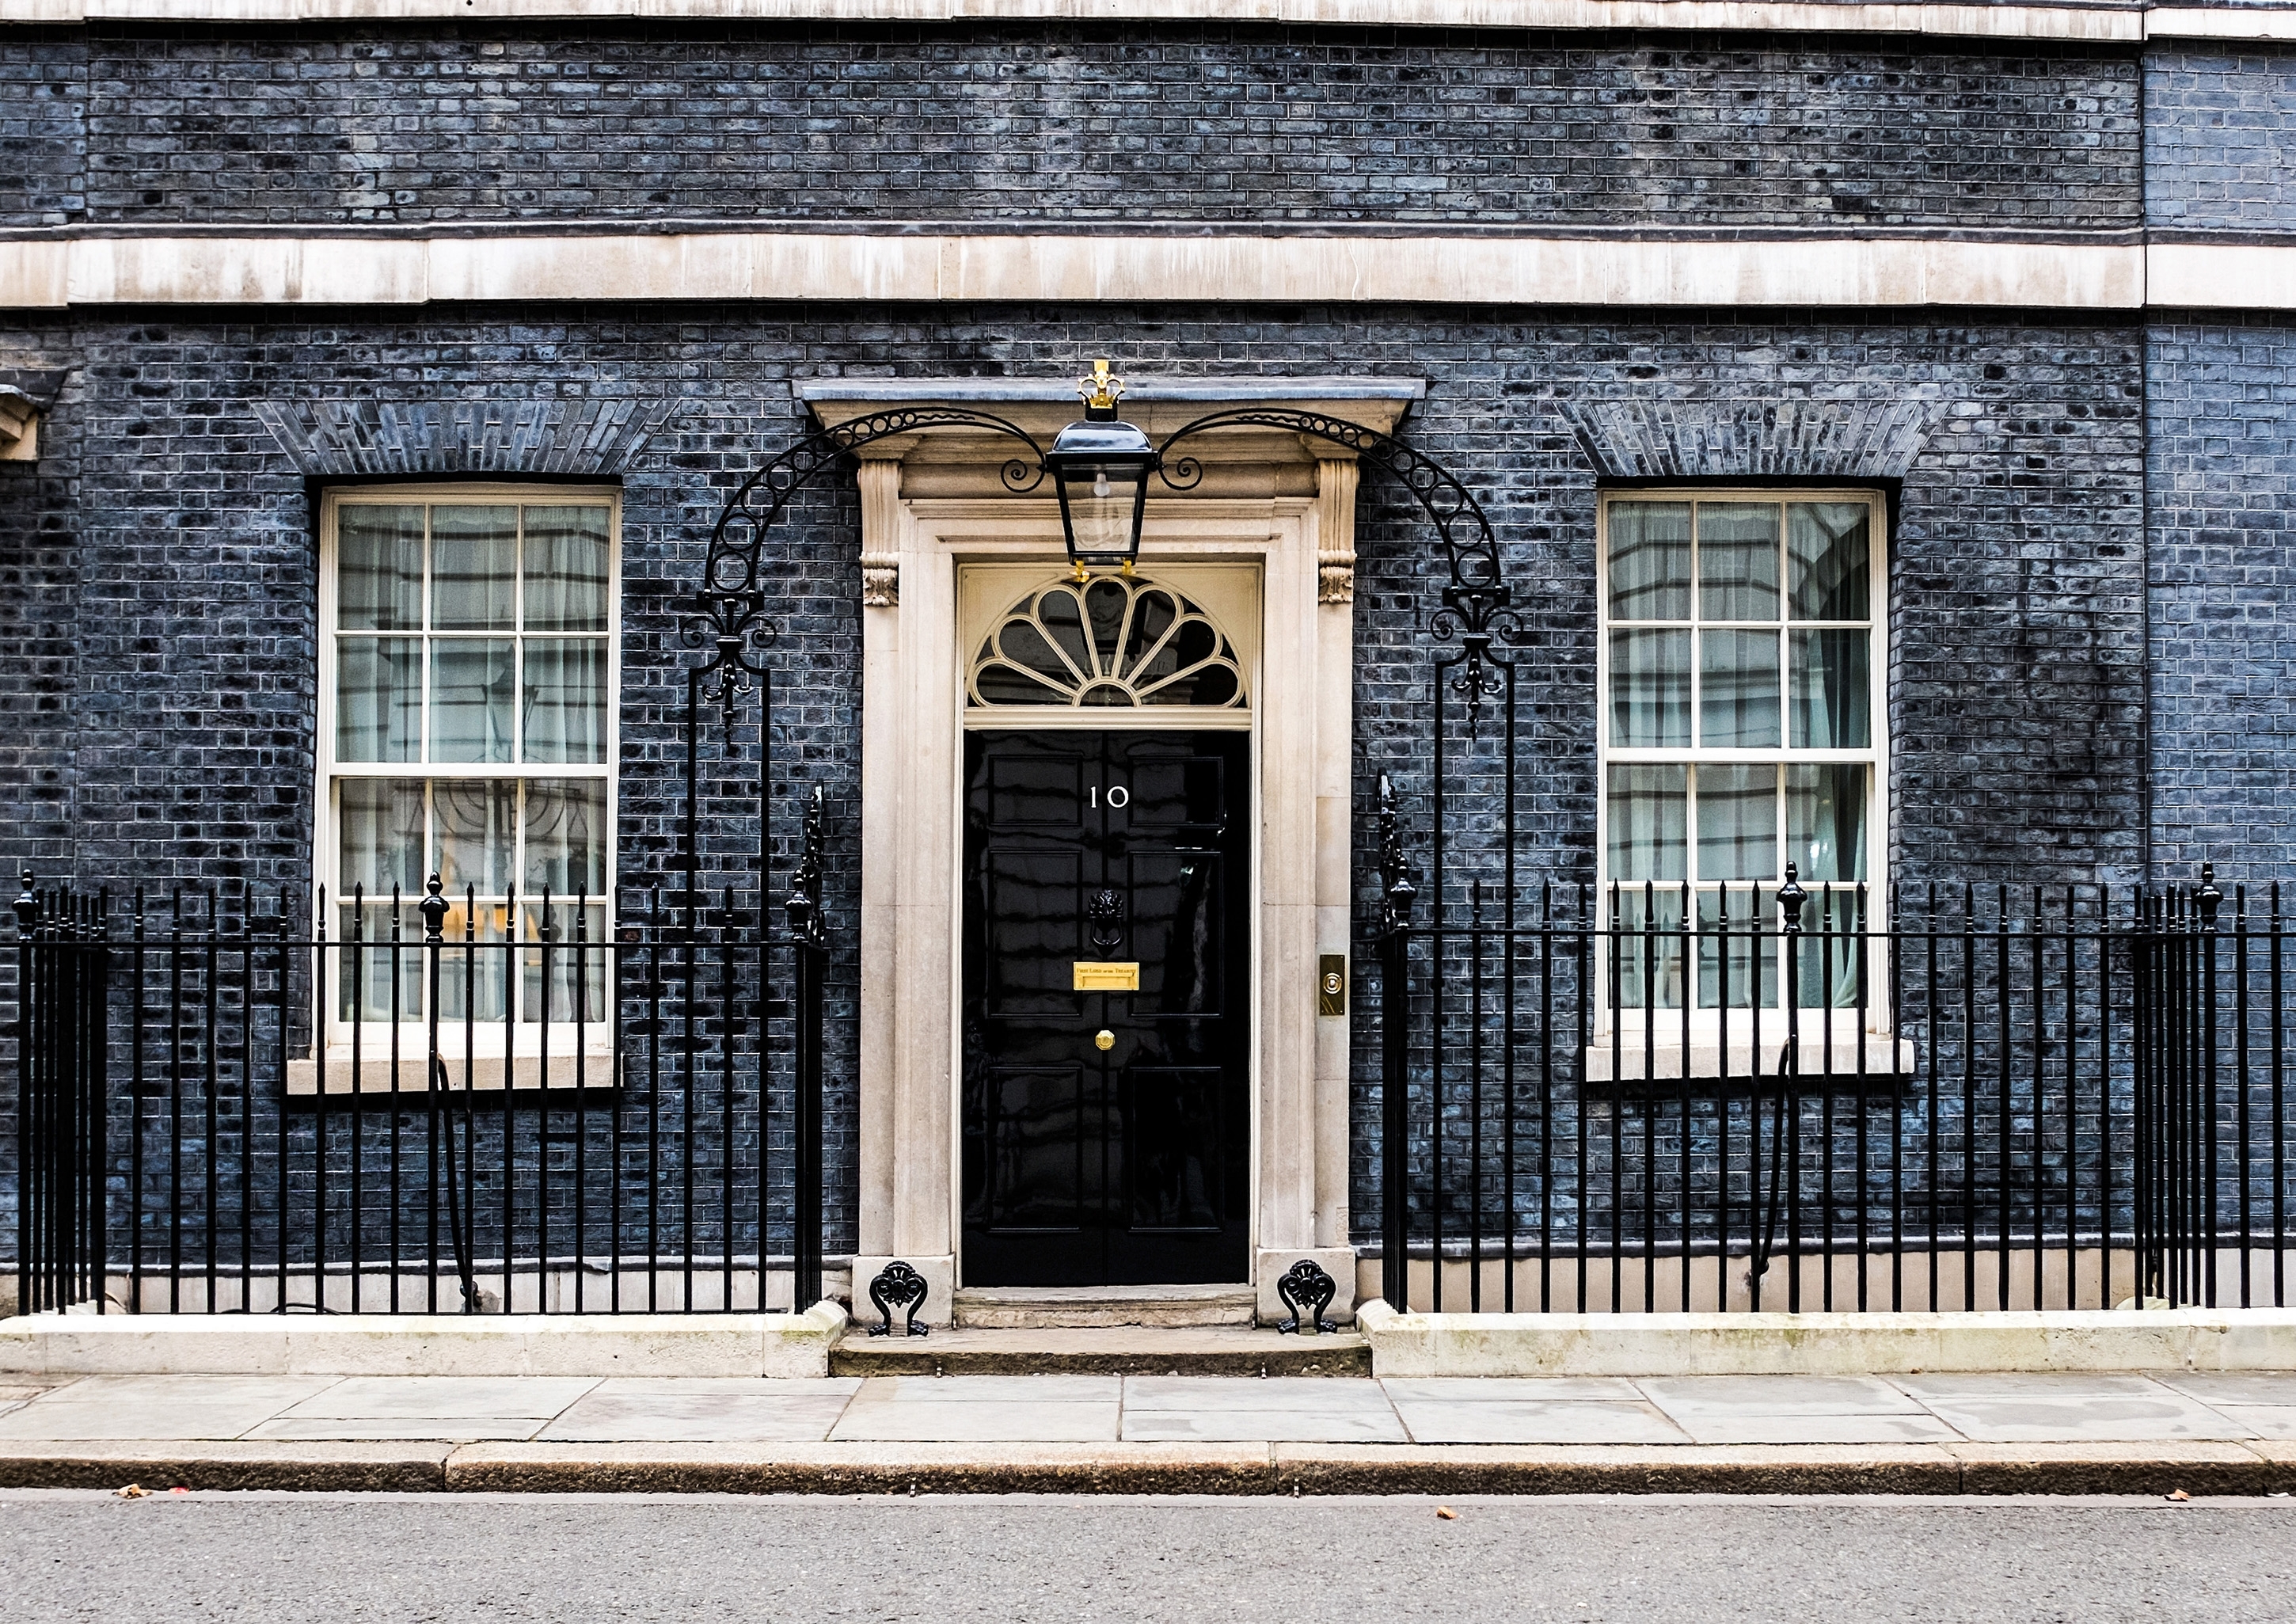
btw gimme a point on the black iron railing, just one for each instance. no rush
(1790, 1097)
(444, 1105)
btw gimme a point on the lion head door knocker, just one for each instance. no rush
(898, 1287)
(1106, 916)
(1306, 1290)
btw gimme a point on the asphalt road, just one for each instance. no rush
(605, 1560)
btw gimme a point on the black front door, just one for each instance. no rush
(1105, 1131)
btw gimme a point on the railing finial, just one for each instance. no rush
(1791, 897)
(2209, 897)
(27, 904)
(434, 911)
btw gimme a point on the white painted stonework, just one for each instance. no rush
(930, 266)
(2100, 22)
(944, 550)
(1248, 266)
(1819, 1344)
(424, 1345)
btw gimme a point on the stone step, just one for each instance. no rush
(1112, 1350)
(1056, 1308)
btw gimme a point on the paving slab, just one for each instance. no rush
(2071, 1408)
(444, 1398)
(1532, 1421)
(1216, 1409)
(159, 1407)
(2242, 1387)
(954, 1409)
(1794, 1410)
(703, 1409)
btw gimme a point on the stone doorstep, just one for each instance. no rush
(1129, 1350)
(2148, 1469)
(1076, 1307)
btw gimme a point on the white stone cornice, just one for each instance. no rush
(2104, 21)
(951, 265)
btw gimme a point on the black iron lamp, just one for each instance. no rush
(1100, 468)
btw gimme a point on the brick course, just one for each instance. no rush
(432, 123)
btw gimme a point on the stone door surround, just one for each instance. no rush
(1273, 501)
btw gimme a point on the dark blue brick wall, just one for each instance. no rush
(2017, 685)
(2220, 140)
(43, 126)
(428, 123)
(2223, 466)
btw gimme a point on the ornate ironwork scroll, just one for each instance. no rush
(898, 1287)
(1308, 1291)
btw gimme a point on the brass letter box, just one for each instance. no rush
(1107, 975)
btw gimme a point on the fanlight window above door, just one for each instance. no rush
(1115, 641)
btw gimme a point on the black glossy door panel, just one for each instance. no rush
(1086, 1165)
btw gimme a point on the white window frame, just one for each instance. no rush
(1816, 1016)
(489, 1039)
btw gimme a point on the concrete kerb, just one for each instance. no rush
(430, 1345)
(2198, 1469)
(1823, 1344)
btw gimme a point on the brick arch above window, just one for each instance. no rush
(527, 439)
(1853, 441)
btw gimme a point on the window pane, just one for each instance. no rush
(1738, 689)
(1648, 820)
(1650, 962)
(565, 704)
(477, 823)
(473, 981)
(566, 552)
(1829, 710)
(1737, 561)
(1827, 548)
(1650, 688)
(574, 958)
(378, 568)
(473, 568)
(1650, 560)
(470, 686)
(1736, 965)
(1826, 821)
(379, 824)
(566, 836)
(378, 698)
(1738, 823)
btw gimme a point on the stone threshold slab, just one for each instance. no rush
(2150, 1469)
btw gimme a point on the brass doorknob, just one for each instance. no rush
(1103, 1040)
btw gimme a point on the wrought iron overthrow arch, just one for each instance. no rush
(1478, 593)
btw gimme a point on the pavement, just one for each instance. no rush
(1666, 1558)
(2228, 1433)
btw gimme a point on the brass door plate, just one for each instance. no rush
(1332, 984)
(1106, 975)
